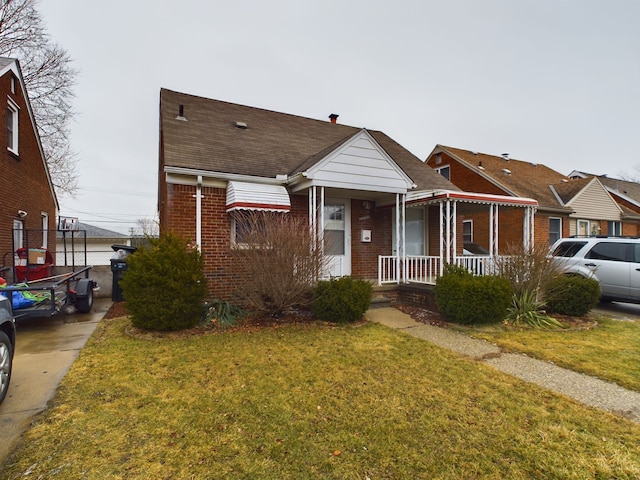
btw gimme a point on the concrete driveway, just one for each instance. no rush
(619, 310)
(45, 349)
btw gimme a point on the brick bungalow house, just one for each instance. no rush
(29, 201)
(580, 206)
(395, 219)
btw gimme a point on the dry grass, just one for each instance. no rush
(608, 351)
(309, 401)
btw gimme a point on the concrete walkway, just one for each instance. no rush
(583, 388)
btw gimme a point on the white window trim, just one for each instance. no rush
(471, 223)
(18, 234)
(13, 107)
(44, 219)
(445, 167)
(560, 232)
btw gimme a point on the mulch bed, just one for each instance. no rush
(303, 317)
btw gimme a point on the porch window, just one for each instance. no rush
(555, 230)
(614, 229)
(414, 228)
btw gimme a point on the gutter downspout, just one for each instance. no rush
(199, 213)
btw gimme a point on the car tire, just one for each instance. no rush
(6, 364)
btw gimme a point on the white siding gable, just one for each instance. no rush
(360, 164)
(594, 202)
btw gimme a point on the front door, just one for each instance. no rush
(337, 236)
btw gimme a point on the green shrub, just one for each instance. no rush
(164, 286)
(463, 298)
(527, 310)
(341, 300)
(572, 295)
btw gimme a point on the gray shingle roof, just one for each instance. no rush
(272, 143)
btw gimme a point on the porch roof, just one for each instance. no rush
(436, 196)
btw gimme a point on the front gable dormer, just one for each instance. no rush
(360, 163)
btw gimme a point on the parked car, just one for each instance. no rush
(613, 261)
(7, 345)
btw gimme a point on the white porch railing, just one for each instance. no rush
(425, 269)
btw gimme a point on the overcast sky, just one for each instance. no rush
(548, 81)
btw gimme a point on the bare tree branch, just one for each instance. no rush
(49, 79)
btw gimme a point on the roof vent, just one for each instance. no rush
(473, 152)
(334, 117)
(480, 165)
(242, 125)
(181, 113)
(505, 156)
(564, 180)
(506, 171)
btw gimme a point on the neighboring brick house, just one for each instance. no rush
(351, 184)
(29, 202)
(565, 206)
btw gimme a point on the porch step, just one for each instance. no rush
(380, 302)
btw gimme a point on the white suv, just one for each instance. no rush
(613, 261)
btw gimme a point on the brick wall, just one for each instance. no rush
(23, 182)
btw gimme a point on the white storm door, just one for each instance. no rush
(337, 237)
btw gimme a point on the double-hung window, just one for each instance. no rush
(12, 126)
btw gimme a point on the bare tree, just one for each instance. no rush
(146, 227)
(49, 79)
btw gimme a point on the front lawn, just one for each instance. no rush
(309, 401)
(610, 351)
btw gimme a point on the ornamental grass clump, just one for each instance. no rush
(527, 310)
(164, 286)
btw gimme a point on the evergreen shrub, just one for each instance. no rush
(341, 300)
(572, 295)
(467, 299)
(164, 286)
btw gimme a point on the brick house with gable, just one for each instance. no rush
(29, 201)
(565, 207)
(391, 219)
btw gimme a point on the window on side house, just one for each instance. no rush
(467, 231)
(445, 172)
(614, 229)
(555, 230)
(12, 127)
(44, 218)
(18, 234)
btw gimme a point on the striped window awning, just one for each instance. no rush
(257, 196)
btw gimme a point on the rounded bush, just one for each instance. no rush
(572, 295)
(164, 286)
(463, 298)
(341, 300)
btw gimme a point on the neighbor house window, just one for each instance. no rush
(555, 230)
(12, 126)
(44, 218)
(445, 172)
(467, 231)
(18, 234)
(614, 229)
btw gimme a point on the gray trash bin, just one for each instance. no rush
(118, 266)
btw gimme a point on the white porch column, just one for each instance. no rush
(493, 230)
(404, 238)
(442, 242)
(321, 226)
(528, 236)
(454, 229)
(399, 253)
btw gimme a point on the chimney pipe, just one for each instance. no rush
(334, 117)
